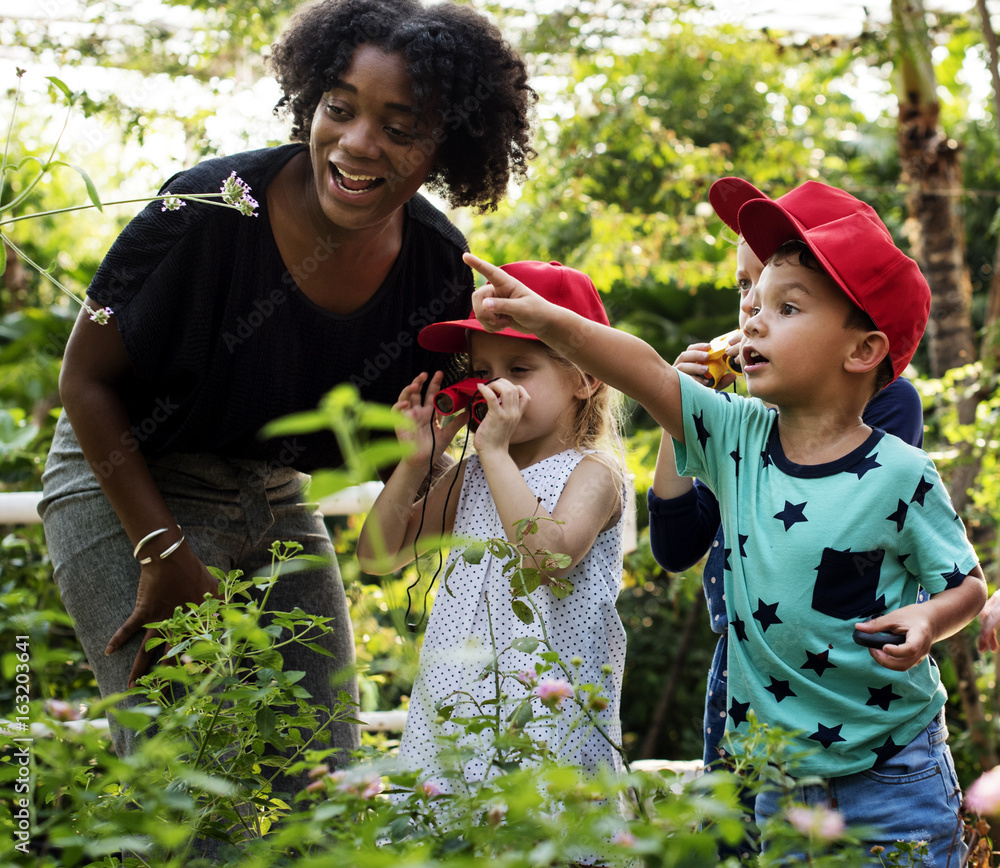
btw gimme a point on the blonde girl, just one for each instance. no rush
(546, 449)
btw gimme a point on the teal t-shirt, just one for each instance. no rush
(812, 550)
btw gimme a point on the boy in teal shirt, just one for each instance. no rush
(828, 521)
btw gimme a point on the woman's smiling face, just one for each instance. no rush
(370, 149)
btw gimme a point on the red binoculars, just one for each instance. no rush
(460, 395)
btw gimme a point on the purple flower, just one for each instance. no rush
(101, 317)
(172, 203)
(528, 677)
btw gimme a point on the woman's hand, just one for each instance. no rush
(430, 440)
(163, 586)
(506, 405)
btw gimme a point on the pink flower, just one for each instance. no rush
(818, 823)
(552, 691)
(623, 838)
(365, 785)
(61, 710)
(429, 789)
(528, 677)
(983, 795)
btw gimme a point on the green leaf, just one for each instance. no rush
(266, 721)
(62, 86)
(524, 716)
(319, 649)
(297, 423)
(561, 589)
(3, 256)
(525, 581)
(375, 417)
(327, 482)
(474, 553)
(446, 711)
(91, 189)
(384, 453)
(525, 644)
(523, 611)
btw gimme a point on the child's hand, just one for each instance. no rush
(911, 621)
(505, 302)
(989, 620)
(430, 441)
(506, 405)
(694, 362)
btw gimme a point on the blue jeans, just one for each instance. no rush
(913, 796)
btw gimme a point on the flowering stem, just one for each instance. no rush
(545, 638)
(45, 273)
(207, 198)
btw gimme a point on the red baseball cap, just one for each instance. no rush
(861, 258)
(810, 203)
(553, 281)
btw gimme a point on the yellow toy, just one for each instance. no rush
(720, 362)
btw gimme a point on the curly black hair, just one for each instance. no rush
(459, 65)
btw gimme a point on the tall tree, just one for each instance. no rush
(929, 163)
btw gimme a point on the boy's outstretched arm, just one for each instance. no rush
(943, 615)
(621, 360)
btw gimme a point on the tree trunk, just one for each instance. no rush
(929, 164)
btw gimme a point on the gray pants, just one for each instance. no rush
(231, 511)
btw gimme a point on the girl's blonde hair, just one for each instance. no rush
(598, 422)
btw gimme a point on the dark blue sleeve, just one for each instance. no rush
(682, 528)
(897, 410)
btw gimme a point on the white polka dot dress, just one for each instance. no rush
(457, 644)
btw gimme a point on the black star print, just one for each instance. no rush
(899, 516)
(889, 749)
(882, 696)
(725, 558)
(767, 614)
(738, 712)
(792, 514)
(954, 578)
(902, 559)
(780, 689)
(819, 663)
(740, 628)
(922, 488)
(735, 455)
(864, 465)
(701, 430)
(742, 537)
(826, 735)
(765, 459)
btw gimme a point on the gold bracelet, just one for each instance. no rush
(144, 540)
(166, 553)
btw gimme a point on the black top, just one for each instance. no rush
(222, 340)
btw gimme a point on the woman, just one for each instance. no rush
(222, 322)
